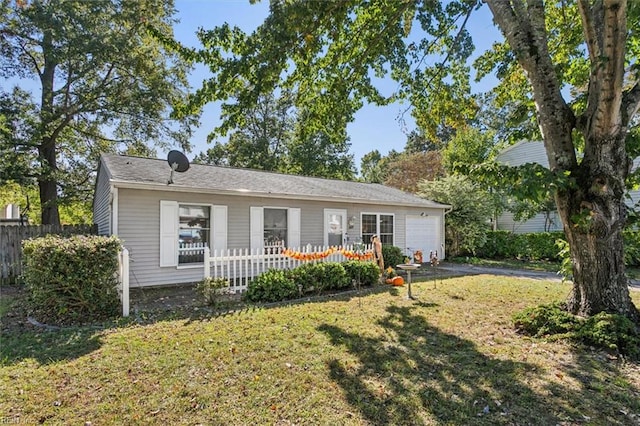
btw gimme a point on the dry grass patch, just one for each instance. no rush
(450, 357)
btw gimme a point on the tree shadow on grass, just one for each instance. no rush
(21, 339)
(48, 346)
(414, 373)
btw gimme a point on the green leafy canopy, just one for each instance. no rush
(91, 79)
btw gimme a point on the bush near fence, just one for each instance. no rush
(531, 246)
(276, 285)
(71, 280)
(542, 246)
(11, 238)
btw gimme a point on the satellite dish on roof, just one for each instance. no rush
(178, 163)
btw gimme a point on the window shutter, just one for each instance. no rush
(256, 226)
(168, 233)
(219, 228)
(293, 227)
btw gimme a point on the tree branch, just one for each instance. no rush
(606, 32)
(630, 103)
(525, 32)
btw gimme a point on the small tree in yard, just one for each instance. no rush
(466, 224)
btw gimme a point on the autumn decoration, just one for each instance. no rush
(319, 255)
(397, 281)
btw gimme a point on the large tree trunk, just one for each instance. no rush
(591, 202)
(47, 185)
(594, 214)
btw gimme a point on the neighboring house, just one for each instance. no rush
(10, 215)
(227, 208)
(534, 152)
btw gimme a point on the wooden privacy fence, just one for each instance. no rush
(11, 238)
(239, 266)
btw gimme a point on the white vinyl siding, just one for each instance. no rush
(536, 224)
(101, 202)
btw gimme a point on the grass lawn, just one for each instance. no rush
(450, 357)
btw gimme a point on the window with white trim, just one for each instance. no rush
(275, 227)
(377, 224)
(194, 230)
(185, 229)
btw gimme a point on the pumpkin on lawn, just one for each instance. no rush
(397, 281)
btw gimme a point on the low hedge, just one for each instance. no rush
(71, 280)
(542, 246)
(531, 246)
(276, 285)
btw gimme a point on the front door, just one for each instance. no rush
(335, 227)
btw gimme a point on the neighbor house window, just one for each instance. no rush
(377, 224)
(193, 233)
(275, 227)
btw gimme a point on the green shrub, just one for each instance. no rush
(631, 248)
(304, 276)
(213, 290)
(272, 286)
(320, 276)
(362, 273)
(392, 256)
(545, 320)
(276, 285)
(531, 246)
(335, 276)
(71, 280)
(608, 331)
(497, 246)
(541, 245)
(611, 331)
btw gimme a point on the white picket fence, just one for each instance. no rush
(239, 266)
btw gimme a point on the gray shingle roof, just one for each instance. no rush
(155, 173)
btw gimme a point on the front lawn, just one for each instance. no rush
(449, 357)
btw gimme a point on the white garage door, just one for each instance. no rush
(423, 233)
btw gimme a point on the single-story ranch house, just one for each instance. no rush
(227, 208)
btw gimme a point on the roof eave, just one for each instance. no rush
(151, 186)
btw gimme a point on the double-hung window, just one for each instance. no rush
(186, 229)
(378, 224)
(275, 227)
(194, 231)
(272, 228)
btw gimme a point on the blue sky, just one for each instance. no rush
(374, 127)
